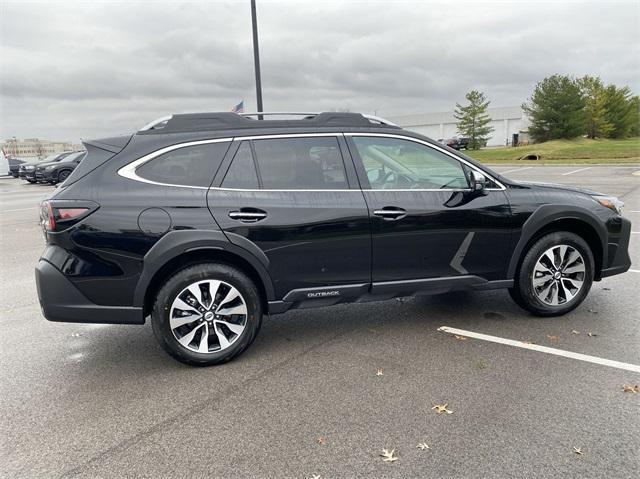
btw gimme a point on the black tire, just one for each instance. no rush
(63, 175)
(185, 277)
(523, 291)
(32, 181)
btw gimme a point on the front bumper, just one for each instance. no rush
(29, 175)
(44, 176)
(61, 301)
(618, 260)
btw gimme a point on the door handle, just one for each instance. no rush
(248, 215)
(391, 213)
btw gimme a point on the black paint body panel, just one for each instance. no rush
(314, 248)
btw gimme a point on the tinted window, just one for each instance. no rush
(242, 172)
(392, 163)
(300, 163)
(73, 157)
(189, 166)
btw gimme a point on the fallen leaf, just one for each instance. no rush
(440, 408)
(380, 373)
(316, 476)
(591, 335)
(388, 456)
(627, 388)
(577, 450)
(460, 338)
(573, 331)
(606, 289)
(593, 311)
(320, 440)
(553, 338)
(423, 446)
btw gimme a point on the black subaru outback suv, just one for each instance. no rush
(206, 222)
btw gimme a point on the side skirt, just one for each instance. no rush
(365, 292)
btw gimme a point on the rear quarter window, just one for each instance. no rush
(189, 166)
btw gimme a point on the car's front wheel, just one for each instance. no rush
(555, 275)
(207, 314)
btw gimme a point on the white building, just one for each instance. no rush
(35, 147)
(505, 122)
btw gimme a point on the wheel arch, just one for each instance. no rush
(180, 249)
(550, 218)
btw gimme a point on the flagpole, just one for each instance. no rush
(256, 57)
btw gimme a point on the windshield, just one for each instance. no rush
(72, 156)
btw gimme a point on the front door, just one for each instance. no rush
(426, 221)
(298, 201)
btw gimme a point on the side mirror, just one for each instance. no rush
(478, 181)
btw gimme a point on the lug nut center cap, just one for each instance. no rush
(208, 316)
(557, 275)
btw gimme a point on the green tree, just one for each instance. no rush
(555, 109)
(635, 108)
(595, 107)
(620, 111)
(473, 120)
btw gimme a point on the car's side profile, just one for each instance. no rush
(206, 222)
(58, 171)
(27, 171)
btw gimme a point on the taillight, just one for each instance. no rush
(57, 215)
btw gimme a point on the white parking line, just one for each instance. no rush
(576, 171)
(516, 169)
(635, 270)
(542, 349)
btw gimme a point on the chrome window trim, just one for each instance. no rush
(437, 148)
(129, 170)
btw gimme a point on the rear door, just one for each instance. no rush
(296, 199)
(426, 222)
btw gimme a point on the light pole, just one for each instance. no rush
(256, 57)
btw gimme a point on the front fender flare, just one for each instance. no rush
(547, 214)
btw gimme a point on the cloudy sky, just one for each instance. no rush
(90, 69)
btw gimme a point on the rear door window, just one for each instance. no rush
(310, 163)
(189, 166)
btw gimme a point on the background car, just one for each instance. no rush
(58, 171)
(455, 143)
(27, 171)
(14, 165)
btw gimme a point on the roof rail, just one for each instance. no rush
(372, 118)
(378, 119)
(155, 123)
(191, 122)
(278, 113)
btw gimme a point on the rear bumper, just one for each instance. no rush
(618, 249)
(61, 301)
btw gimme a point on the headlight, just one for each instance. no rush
(610, 202)
(29, 168)
(49, 168)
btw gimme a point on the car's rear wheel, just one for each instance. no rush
(207, 314)
(555, 275)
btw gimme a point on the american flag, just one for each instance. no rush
(239, 108)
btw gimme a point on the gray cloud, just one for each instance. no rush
(88, 69)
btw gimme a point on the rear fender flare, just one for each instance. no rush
(175, 243)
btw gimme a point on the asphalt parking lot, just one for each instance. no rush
(323, 391)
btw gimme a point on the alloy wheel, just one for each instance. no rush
(558, 275)
(208, 316)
